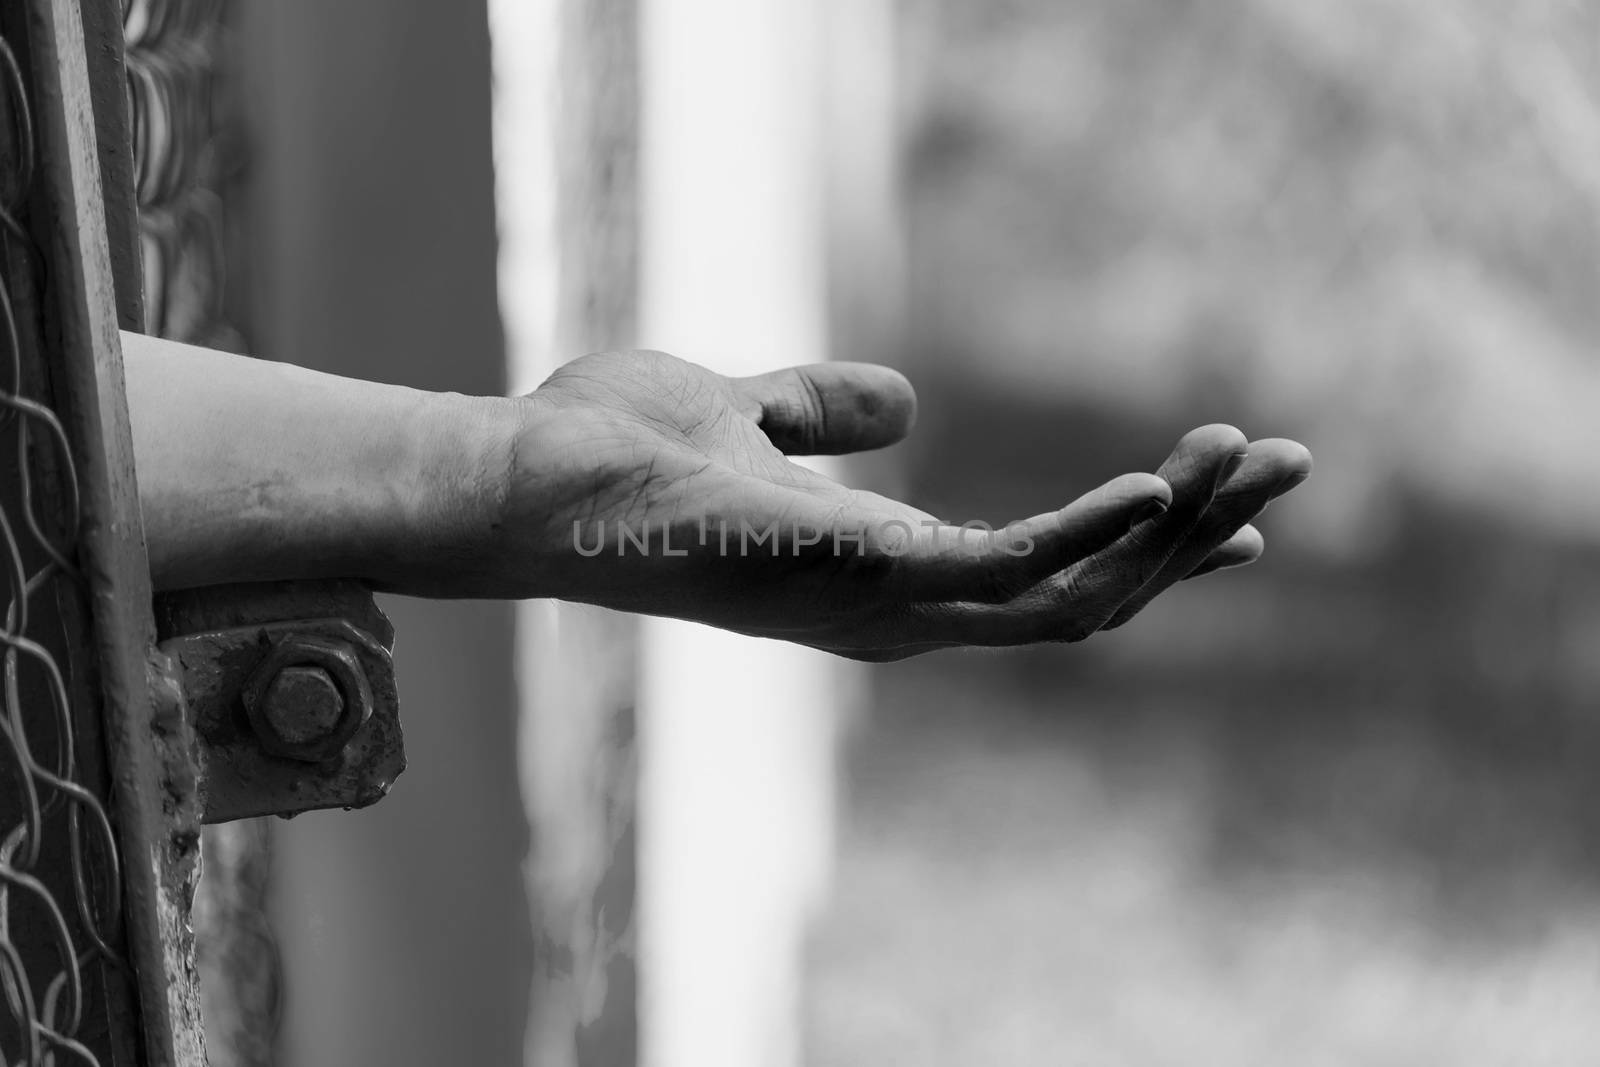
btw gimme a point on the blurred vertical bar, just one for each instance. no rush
(566, 125)
(864, 265)
(864, 241)
(737, 735)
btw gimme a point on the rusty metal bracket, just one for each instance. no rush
(291, 714)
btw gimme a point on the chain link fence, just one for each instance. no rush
(60, 885)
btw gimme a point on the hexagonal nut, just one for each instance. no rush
(288, 703)
(302, 704)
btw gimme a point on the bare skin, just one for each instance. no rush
(269, 471)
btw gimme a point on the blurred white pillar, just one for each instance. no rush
(524, 39)
(565, 126)
(737, 735)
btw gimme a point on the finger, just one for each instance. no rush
(1242, 548)
(1275, 466)
(976, 562)
(829, 409)
(1073, 604)
(1203, 462)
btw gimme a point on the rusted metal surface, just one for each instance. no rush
(250, 766)
(299, 710)
(309, 697)
(292, 715)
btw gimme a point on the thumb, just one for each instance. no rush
(829, 409)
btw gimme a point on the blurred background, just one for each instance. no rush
(1340, 805)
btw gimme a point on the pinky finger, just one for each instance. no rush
(1245, 546)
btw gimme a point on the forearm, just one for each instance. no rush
(251, 470)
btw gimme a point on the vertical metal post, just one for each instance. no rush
(146, 741)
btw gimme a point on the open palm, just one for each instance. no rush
(646, 483)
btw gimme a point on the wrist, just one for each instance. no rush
(451, 489)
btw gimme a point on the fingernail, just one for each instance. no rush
(1151, 510)
(1229, 467)
(1289, 482)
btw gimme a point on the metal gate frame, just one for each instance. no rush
(128, 727)
(62, 259)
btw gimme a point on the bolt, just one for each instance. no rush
(302, 705)
(308, 697)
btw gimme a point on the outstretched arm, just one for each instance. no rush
(642, 482)
(251, 470)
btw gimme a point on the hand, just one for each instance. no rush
(645, 483)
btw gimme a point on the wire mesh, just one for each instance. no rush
(60, 886)
(183, 160)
